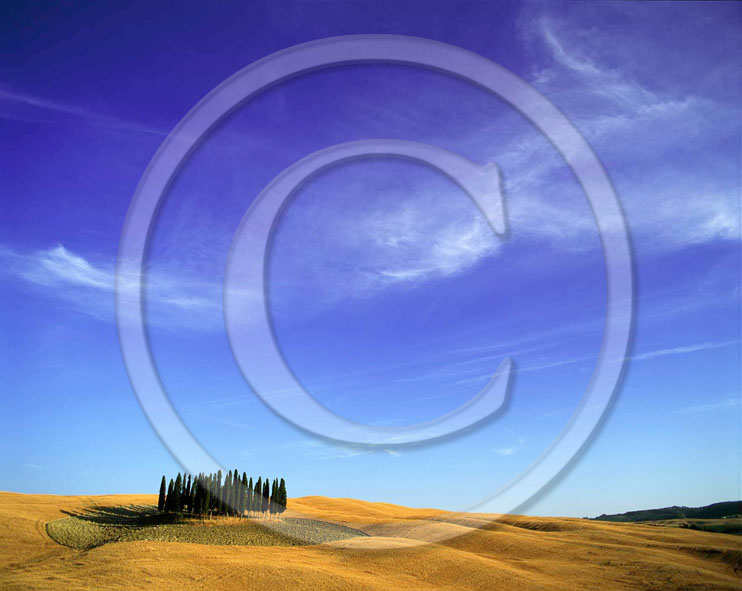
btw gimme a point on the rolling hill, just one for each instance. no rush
(714, 511)
(397, 547)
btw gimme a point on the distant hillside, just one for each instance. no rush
(715, 511)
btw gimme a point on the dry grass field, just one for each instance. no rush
(405, 548)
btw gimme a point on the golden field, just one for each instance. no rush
(408, 549)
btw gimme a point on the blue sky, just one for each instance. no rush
(390, 296)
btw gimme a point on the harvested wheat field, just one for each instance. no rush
(376, 546)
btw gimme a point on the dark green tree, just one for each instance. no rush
(257, 498)
(243, 494)
(178, 494)
(202, 503)
(170, 499)
(196, 496)
(274, 497)
(236, 492)
(266, 496)
(219, 492)
(209, 500)
(249, 496)
(163, 495)
(185, 497)
(228, 493)
(282, 496)
(207, 496)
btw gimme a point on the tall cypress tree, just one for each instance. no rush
(266, 496)
(257, 502)
(274, 497)
(178, 493)
(219, 491)
(277, 496)
(249, 496)
(187, 494)
(236, 492)
(243, 495)
(163, 495)
(204, 493)
(227, 491)
(207, 496)
(170, 497)
(283, 498)
(232, 495)
(196, 495)
(201, 491)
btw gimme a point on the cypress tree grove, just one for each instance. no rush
(163, 495)
(208, 493)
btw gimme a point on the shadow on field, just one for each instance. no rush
(100, 525)
(130, 515)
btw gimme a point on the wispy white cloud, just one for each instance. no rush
(418, 234)
(474, 375)
(90, 287)
(504, 451)
(313, 449)
(640, 131)
(34, 466)
(413, 235)
(683, 350)
(325, 451)
(577, 63)
(58, 265)
(25, 106)
(422, 234)
(730, 403)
